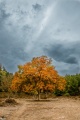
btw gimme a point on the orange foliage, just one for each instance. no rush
(37, 75)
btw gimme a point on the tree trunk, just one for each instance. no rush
(38, 94)
(46, 95)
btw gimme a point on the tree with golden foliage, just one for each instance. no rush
(37, 76)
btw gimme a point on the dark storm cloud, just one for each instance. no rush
(3, 14)
(40, 27)
(16, 32)
(37, 7)
(71, 60)
(64, 54)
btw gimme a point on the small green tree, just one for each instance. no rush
(5, 80)
(73, 84)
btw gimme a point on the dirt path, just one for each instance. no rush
(56, 109)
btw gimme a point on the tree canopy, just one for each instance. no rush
(37, 76)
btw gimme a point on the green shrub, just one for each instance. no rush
(73, 84)
(59, 93)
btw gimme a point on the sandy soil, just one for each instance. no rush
(55, 109)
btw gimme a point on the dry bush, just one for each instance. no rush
(8, 101)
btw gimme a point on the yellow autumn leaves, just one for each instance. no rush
(37, 75)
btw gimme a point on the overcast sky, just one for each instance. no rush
(30, 28)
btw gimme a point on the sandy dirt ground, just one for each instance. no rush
(56, 109)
